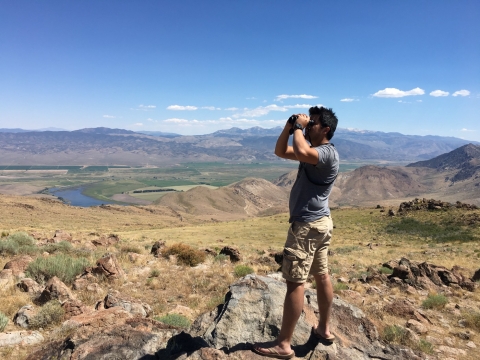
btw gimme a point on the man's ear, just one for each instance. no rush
(326, 130)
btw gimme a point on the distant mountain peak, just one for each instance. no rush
(103, 131)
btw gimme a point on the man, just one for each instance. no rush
(311, 227)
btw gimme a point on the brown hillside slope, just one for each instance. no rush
(372, 183)
(248, 197)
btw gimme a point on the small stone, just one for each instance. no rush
(471, 345)
(448, 341)
(417, 327)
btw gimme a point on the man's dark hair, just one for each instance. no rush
(327, 118)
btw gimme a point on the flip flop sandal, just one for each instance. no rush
(272, 353)
(328, 340)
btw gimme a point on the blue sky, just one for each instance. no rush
(193, 67)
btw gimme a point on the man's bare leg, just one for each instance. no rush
(292, 309)
(325, 299)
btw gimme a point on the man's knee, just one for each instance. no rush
(322, 278)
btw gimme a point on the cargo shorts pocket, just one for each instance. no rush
(294, 263)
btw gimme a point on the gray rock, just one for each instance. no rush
(253, 312)
(23, 316)
(20, 337)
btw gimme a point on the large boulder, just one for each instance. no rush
(55, 289)
(23, 316)
(18, 265)
(108, 334)
(60, 236)
(231, 252)
(109, 267)
(157, 248)
(20, 337)
(253, 313)
(111, 239)
(30, 286)
(135, 307)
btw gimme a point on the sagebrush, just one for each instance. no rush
(65, 267)
(186, 254)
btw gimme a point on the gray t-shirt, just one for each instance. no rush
(309, 195)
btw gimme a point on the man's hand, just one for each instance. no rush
(303, 120)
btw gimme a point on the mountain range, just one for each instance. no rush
(105, 146)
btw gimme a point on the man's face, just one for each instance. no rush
(316, 130)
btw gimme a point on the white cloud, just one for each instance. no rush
(180, 107)
(251, 98)
(151, 120)
(461, 93)
(467, 130)
(396, 93)
(177, 121)
(109, 116)
(138, 124)
(210, 108)
(300, 106)
(419, 100)
(438, 93)
(232, 109)
(348, 100)
(146, 106)
(260, 111)
(304, 96)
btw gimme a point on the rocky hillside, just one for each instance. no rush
(245, 198)
(464, 161)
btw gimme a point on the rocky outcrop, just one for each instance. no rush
(55, 289)
(73, 307)
(134, 307)
(18, 265)
(30, 286)
(108, 334)
(157, 248)
(60, 236)
(109, 267)
(23, 316)
(233, 253)
(427, 276)
(253, 312)
(20, 337)
(111, 239)
(432, 204)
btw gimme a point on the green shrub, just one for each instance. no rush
(472, 320)
(435, 302)
(18, 243)
(339, 286)
(61, 247)
(425, 346)
(186, 255)
(174, 320)
(49, 314)
(154, 273)
(3, 321)
(242, 270)
(221, 258)
(347, 249)
(65, 267)
(5, 234)
(395, 334)
(385, 270)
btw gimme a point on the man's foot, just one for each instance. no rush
(325, 336)
(272, 350)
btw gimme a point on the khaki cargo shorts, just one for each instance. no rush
(306, 249)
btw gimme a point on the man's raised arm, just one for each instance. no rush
(281, 148)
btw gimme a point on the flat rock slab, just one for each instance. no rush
(20, 337)
(252, 314)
